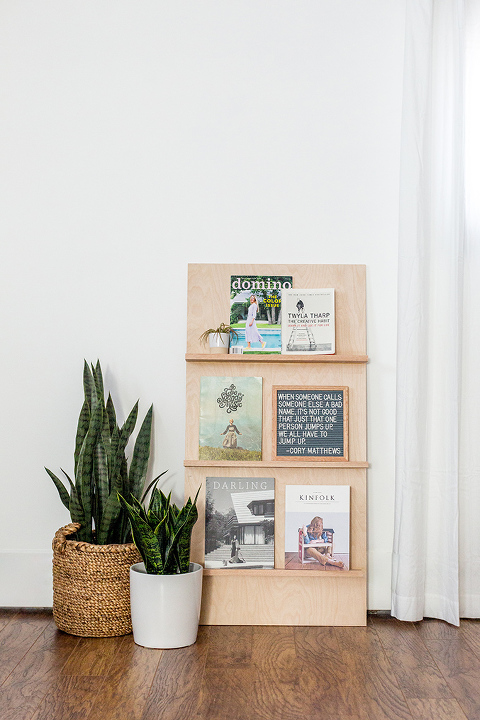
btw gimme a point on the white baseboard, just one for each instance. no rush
(26, 579)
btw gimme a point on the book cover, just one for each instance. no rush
(255, 311)
(230, 418)
(308, 321)
(317, 527)
(239, 522)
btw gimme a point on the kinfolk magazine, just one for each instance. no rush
(255, 311)
(239, 522)
(317, 527)
(230, 418)
(308, 321)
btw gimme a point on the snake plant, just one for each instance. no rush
(100, 465)
(162, 532)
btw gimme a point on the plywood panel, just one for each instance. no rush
(279, 596)
(246, 600)
(209, 298)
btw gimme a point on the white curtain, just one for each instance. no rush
(436, 558)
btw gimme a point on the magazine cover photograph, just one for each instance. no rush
(239, 522)
(317, 527)
(308, 321)
(255, 312)
(230, 418)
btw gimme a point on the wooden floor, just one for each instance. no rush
(393, 670)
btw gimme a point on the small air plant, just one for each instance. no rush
(221, 330)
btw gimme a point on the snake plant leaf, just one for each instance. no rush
(117, 450)
(84, 472)
(82, 428)
(160, 503)
(118, 467)
(145, 539)
(123, 484)
(106, 435)
(88, 384)
(152, 485)
(156, 505)
(113, 454)
(128, 425)
(162, 534)
(68, 478)
(111, 415)
(141, 454)
(109, 518)
(76, 511)
(62, 490)
(98, 380)
(101, 479)
(181, 541)
(137, 505)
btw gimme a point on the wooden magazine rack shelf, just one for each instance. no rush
(279, 596)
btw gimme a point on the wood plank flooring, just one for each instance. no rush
(386, 671)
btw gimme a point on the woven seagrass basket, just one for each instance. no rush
(91, 586)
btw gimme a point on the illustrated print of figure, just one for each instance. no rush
(300, 306)
(230, 433)
(251, 331)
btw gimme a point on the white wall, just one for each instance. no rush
(138, 137)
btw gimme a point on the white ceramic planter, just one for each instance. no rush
(165, 608)
(219, 342)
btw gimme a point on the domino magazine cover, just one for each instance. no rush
(255, 312)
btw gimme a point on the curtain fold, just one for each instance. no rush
(436, 554)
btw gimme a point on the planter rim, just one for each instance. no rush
(140, 569)
(61, 538)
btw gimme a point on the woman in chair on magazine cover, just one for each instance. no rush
(314, 532)
(251, 331)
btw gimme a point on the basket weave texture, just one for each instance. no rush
(91, 586)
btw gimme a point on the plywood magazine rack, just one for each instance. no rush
(278, 596)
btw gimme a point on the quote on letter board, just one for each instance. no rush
(310, 423)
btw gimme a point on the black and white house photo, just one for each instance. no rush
(239, 522)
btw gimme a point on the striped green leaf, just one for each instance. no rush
(68, 478)
(88, 384)
(181, 540)
(109, 519)
(111, 415)
(141, 454)
(76, 510)
(145, 540)
(62, 490)
(152, 485)
(84, 474)
(82, 429)
(102, 484)
(129, 425)
(98, 380)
